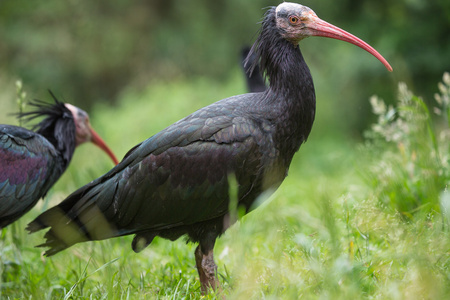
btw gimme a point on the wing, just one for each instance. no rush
(177, 177)
(27, 163)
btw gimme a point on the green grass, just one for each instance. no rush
(337, 228)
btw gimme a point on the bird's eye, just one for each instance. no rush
(294, 20)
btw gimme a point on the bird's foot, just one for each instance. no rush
(207, 270)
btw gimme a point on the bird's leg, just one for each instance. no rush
(207, 268)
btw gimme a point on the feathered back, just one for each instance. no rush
(58, 125)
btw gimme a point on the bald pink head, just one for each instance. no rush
(298, 22)
(85, 133)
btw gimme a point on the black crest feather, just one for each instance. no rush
(58, 125)
(258, 53)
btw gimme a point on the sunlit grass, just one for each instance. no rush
(327, 233)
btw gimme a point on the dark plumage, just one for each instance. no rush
(177, 182)
(255, 81)
(32, 161)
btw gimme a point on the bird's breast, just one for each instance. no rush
(274, 175)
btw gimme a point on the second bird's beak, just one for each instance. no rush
(98, 141)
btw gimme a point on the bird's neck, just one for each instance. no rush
(291, 90)
(289, 76)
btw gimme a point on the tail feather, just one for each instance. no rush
(52, 242)
(79, 218)
(66, 230)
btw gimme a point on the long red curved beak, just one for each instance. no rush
(318, 27)
(97, 140)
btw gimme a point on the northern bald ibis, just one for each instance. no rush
(176, 182)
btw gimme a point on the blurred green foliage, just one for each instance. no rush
(410, 165)
(89, 51)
